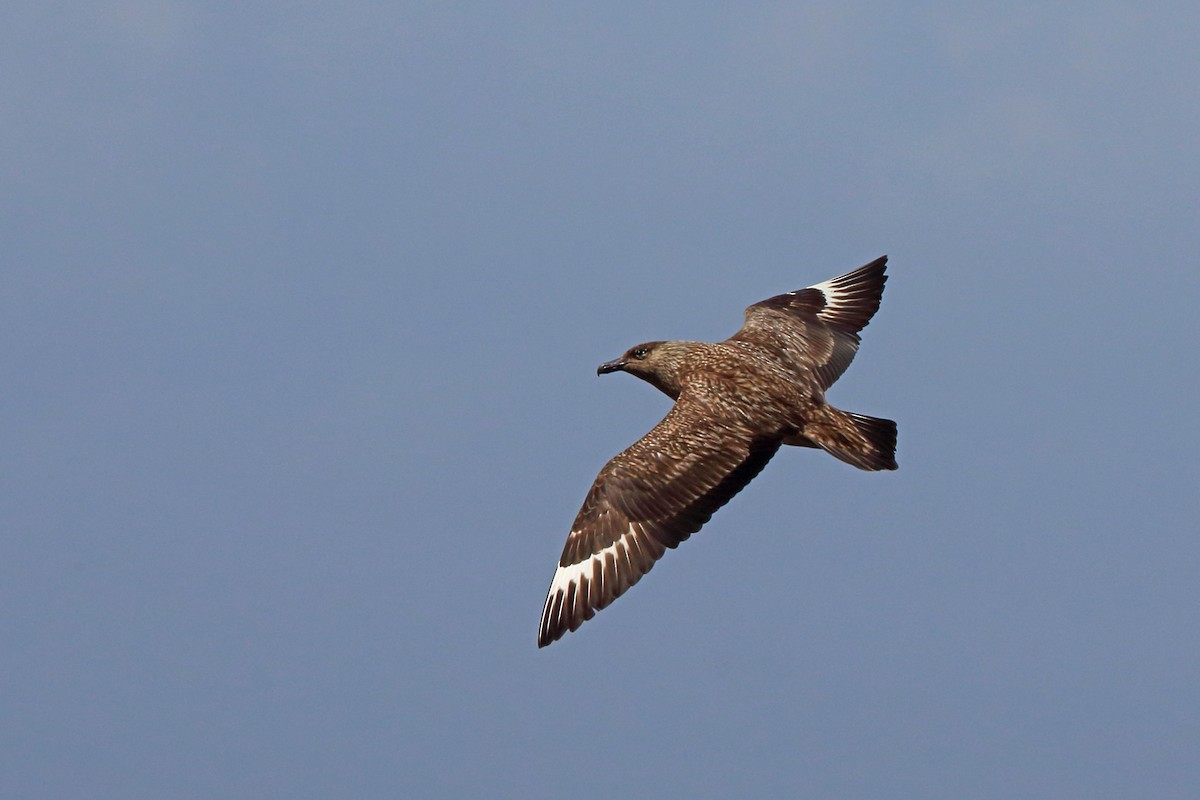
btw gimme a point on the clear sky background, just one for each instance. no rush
(301, 305)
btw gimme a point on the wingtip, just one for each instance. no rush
(872, 268)
(850, 300)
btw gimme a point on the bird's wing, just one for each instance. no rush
(647, 499)
(814, 331)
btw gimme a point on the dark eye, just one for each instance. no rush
(639, 353)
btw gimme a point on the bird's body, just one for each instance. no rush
(736, 403)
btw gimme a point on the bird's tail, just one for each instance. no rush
(864, 442)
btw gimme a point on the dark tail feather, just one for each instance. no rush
(864, 442)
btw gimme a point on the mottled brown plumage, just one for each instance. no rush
(736, 403)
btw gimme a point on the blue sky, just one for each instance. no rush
(302, 305)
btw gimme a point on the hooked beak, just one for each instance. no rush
(616, 365)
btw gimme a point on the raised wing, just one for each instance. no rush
(814, 331)
(649, 498)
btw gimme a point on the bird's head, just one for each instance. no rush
(654, 362)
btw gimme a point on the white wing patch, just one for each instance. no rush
(836, 299)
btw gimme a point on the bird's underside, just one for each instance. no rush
(736, 403)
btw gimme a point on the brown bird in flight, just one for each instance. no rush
(736, 403)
